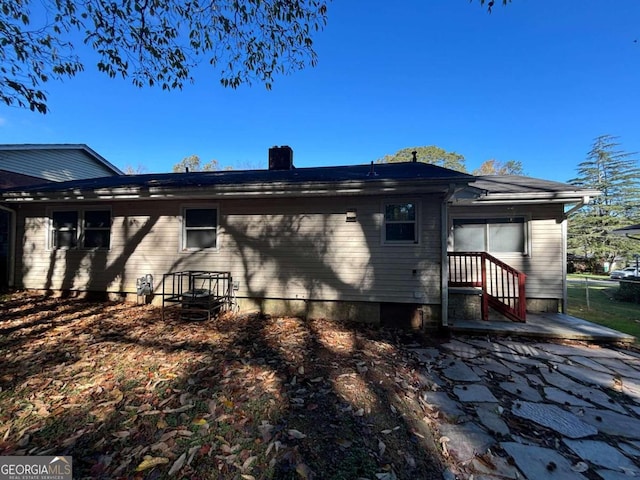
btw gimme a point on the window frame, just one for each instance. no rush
(84, 227)
(51, 230)
(184, 228)
(486, 219)
(385, 222)
(80, 227)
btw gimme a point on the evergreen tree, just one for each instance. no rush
(616, 175)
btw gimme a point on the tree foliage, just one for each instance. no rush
(616, 175)
(153, 42)
(428, 154)
(192, 164)
(496, 167)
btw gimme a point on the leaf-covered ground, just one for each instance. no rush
(130, 395)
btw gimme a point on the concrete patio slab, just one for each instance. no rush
(547, 325)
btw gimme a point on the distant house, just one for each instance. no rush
(33, 164)
(384, 243)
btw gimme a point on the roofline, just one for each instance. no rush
(253, 190)
(63, 146)
(531, 197)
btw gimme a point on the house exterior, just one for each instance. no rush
(364, 242)
(32, 164)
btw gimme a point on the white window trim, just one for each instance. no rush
(383, 229)
(79, 227)
(183, 226)
(527, 232)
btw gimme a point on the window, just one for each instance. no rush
(200, 228)
(400, 223)
(90, 229)
(498, 235)
(97, 229)
(64, 229)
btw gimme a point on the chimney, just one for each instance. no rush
(281, 158)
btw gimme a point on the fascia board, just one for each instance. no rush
(240, 191)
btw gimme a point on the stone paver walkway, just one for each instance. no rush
(535, 410)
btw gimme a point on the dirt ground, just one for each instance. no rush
(130, 395)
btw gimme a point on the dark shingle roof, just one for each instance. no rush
(408, 171)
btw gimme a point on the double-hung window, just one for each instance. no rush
(86, 229)
(494, 235)
(64, 229)
(96, 229)
(400, 222)
(200, 228)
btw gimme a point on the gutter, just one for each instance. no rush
(11, 265)
(585, 201)
(256, 190)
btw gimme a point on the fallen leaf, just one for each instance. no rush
(381, 447)
(179, 409)
(247, 463)
(304, 471)
(178, 464)
(150, 462)
(293, 433)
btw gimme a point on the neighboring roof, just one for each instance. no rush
(353, 179)
(627, 231)
(12, 180)
(507, 188)
(55, 162)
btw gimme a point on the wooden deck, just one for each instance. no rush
(546, 325)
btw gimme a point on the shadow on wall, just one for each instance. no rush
(90, 268)
(301, 253)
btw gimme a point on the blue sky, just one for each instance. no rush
(535, 81)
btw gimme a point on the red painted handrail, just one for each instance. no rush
(503, 287)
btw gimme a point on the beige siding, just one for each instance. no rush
(297, 249)
(543, 264)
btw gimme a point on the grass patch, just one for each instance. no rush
(603, 308)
